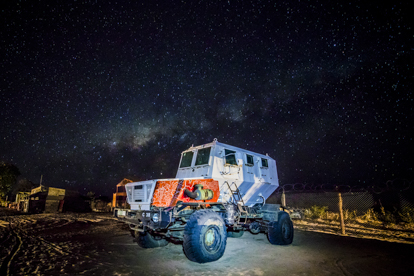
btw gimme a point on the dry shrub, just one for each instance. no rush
(387, 217)
(316, 212)
(350, 215)
(406, 215)
(370, 215)
(332, 216)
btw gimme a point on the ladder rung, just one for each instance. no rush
(237, 197)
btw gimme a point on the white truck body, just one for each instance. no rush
(254, 174)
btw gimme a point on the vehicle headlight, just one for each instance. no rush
(155, 218)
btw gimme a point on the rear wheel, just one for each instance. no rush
(148, 240)
(235, 234)
(281, 232)
(205, 237)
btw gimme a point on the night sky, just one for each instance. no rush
(95, 92)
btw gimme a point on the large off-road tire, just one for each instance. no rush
(205, 237)
(235, 234)
(148, 240)
(281, 232)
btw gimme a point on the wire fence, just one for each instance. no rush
(384, 211)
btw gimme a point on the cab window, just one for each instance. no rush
(264, 163)
(230, 156)
(186, 159)
(249, 160)
(203, 155)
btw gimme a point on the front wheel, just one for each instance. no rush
(147, 240)
(205, 237)
(281, 232)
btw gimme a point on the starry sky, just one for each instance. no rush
(96, 91)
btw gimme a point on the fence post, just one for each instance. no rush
(341, 214)
(283, 199)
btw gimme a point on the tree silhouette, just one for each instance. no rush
(8, 176)
(22, 185)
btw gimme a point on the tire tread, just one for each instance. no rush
(275, 235)
(192, 232)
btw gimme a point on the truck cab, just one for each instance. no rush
(254, 174)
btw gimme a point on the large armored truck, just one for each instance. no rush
(219, 191)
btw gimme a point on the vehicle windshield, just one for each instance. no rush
(203, 156)
(186, 159)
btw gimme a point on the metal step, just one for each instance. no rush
(238, 200)
(237, 197)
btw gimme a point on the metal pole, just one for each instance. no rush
(341, 214)
(283, 199)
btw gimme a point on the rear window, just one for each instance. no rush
(203, 155)
(230, 157)
(186, 159)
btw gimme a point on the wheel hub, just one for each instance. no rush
(212, 239)
(209, 237)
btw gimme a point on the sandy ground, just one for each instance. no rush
(96, 244)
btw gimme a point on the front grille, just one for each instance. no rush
(139, 194)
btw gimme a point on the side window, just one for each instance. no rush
(249, 160)
(264, 163)
(230, 157)
(203, 155)
(186, 159)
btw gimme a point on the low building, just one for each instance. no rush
(22, 200)
(45, 199)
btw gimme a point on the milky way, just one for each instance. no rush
(94, 92)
